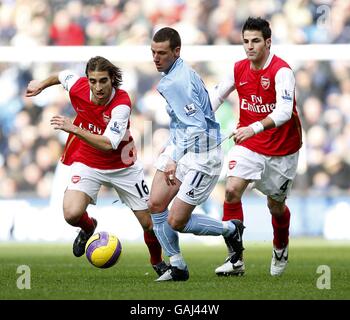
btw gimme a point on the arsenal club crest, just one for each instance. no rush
(106, 118)
(232, 164)
(265, 82)
(76, 179)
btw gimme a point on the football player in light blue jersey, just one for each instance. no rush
(189, 167)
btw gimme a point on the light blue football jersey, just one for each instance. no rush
(193, 127)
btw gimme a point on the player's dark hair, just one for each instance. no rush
(258, 24)
(102, 64)
(170, 34)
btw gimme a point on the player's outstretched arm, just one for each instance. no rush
(35, 87)
(221, 91)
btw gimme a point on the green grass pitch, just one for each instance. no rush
(56, 274)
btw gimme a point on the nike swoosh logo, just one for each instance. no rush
(279, 258)
(243, 83)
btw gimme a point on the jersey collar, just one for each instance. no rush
(268, 61)
(173, 66)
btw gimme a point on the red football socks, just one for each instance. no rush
(86, 223)
(233, 211)
(281, 229)
(154, 248)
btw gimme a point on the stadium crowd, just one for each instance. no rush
(123, 22)
(30, 148)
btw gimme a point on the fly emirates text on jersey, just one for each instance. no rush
(92, 128)
(256, 105)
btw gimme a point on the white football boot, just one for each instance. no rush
(279, 261)
(174, 274)
(231, 269)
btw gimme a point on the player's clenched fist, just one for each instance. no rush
(34, 88)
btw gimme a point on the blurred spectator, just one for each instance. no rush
(311, 112)
(65, 32)
(338, 171)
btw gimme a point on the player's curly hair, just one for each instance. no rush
(102, 64)
(258, 24)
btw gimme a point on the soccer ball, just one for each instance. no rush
(103, 250)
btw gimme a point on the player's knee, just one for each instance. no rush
(176, 224)
(155, 206)
(71, 216)
(232, 194)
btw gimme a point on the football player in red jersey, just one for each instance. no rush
(268, 139)
(100, 150)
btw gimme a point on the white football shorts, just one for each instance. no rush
(271, 175)
(128, 182)
(198, 178)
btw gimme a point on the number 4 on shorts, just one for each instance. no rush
(284, 186)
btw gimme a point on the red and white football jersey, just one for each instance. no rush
(95, 118)
(257, 98)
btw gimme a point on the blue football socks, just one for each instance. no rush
(167, 236)
(201, 224)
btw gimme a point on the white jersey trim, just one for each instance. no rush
(68, 78)
(221, 91)
(285, 87)
(116, 127)
(268, 61)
